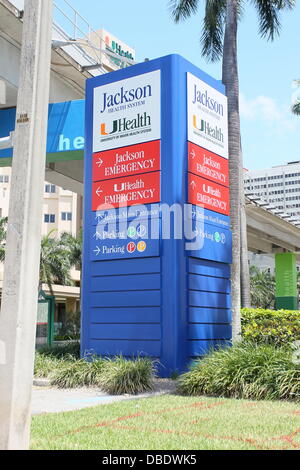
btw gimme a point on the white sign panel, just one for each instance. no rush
(207, 116)
(127, 112)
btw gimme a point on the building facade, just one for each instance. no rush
(62, 209)
(62, 212)
(279, 186)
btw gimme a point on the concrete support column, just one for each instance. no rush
(71, 306)
(21, 272)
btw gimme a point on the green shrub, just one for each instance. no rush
(244, 370)
(44, 365)
(61, 351)
(121, 376)
(79, 373)
(48, 360)
(114, 376)
(278, 327)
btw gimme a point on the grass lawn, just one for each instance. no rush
(172, 422)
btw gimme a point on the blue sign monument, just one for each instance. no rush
(157, 239)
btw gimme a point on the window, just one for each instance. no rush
(66, 216)
(50, 188)
(49, 218)
(4, 179)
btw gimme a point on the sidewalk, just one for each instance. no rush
(46, 399)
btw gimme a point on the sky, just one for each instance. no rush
(270, 133)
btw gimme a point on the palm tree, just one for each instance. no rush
(262, 287)
(245, 273)
(55, 263)
(74, 247)
(3, 226)
(57, 256)
(219, 39)
(296, 105)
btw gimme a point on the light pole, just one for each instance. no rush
(21, 270)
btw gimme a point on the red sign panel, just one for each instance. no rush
(208, 165)
(121, 192)
(126, 161)
(209, 195)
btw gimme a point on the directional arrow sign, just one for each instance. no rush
(126, 161)
(121, 192)
(193, 184)
(97, 251)
(209, 195)
(99, 191)
(204, 163)
(123, 248)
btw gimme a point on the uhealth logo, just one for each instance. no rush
(204, 127)
(125, 125)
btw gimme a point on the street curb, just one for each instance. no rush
(41, 382)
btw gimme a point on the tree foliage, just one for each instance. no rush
(55, 262)
(219, 40)
(58, 256)
(3, 227)
(74, 248)
(262, 288)
(212, 36)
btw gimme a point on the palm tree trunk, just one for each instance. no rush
(50, 287)
(245, 271)
(245, 275)
(231, 82)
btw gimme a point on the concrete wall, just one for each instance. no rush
(60, 89)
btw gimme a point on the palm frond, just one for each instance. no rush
(74, 247)
(262, 287)
(183, 9)
(3, 228)
(213, 29)
(268, 15)
(296, 108)
(55, 261)
(285, 4)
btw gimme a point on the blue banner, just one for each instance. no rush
(65, 127)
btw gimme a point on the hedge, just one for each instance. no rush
(245, 370)
(115, 375)
(278, 327)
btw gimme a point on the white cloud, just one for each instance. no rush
(266, 111)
